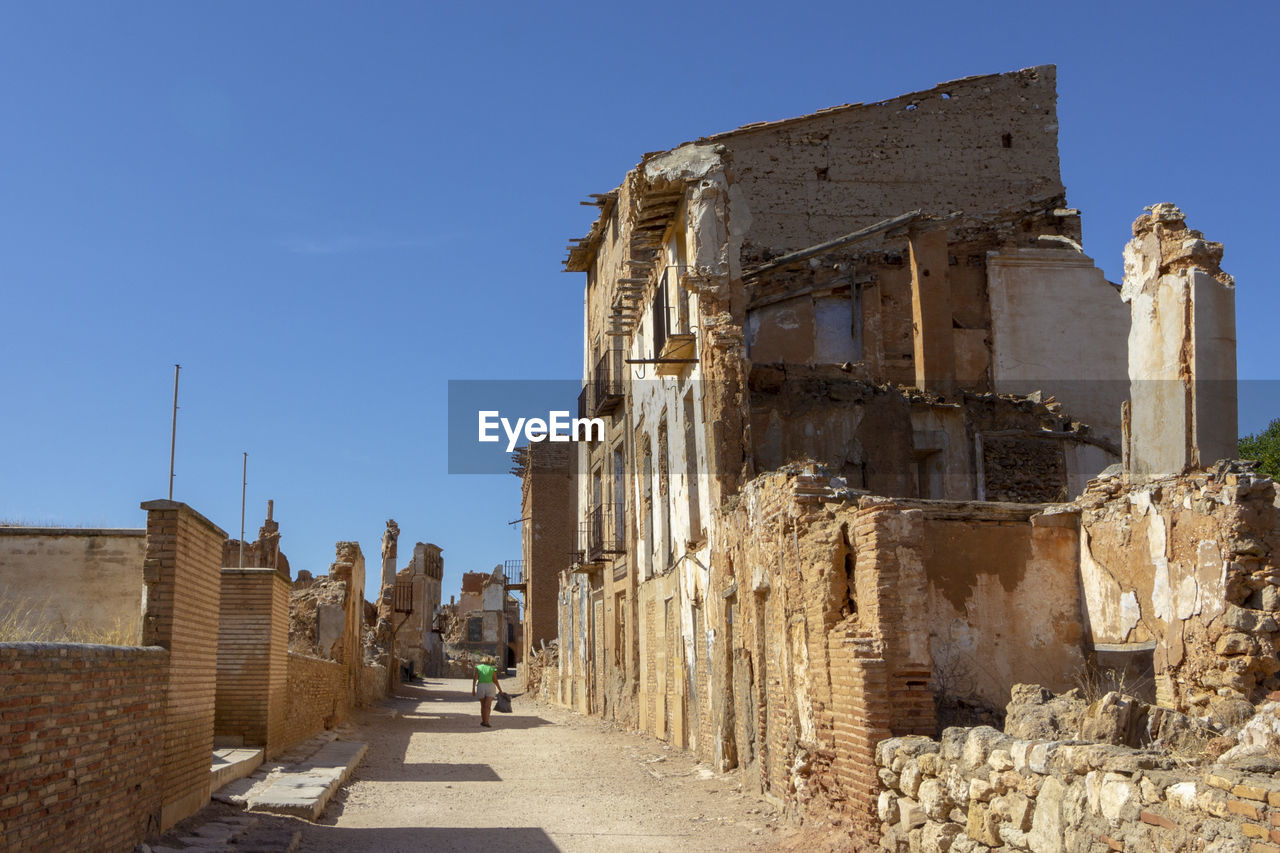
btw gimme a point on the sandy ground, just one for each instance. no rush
(542, 779)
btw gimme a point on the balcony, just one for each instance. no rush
(600, 535)
(607, 383)
(674, 338)
(513, 570)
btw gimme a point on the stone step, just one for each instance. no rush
(303, 786)
(231, 764)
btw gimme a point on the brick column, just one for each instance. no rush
(253, 647)
(182, 573)
(860, 714)
(890, 584)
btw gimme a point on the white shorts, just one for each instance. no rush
(486, 690)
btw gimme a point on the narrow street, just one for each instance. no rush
(541, 779)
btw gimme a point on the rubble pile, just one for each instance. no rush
(307, 598)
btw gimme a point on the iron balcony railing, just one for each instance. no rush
(600, 538)
(514, 571)
(670, 309)
(606, 382)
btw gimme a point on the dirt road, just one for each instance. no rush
(542, 779)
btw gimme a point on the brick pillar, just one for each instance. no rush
(935, 358)
(253, 648)
(890, 586)
(183, 573)
(860, 714)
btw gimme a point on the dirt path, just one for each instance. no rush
(542, 779)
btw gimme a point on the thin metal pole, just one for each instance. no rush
(173, 434)
(244, 483)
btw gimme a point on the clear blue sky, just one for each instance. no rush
(326, 211)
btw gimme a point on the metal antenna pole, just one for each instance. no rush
(244, 482)
(173, 434)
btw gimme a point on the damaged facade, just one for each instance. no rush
(860, 382)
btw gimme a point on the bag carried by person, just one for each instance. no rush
(503, 703)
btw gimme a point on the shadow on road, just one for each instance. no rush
(527, 839)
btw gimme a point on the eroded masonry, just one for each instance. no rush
(165, 662)
(884, 443)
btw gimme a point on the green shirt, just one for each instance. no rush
(484, 673)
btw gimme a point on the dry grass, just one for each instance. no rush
(1095, 682)
(26, 622)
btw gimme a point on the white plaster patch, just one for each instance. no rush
(1129, 612)
(1187, 598)
(1101, 597)
(1161, 594)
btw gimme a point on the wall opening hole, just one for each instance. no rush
(946, 96)
(910, 107)
(1007, 140)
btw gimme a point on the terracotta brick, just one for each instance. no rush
(1244, 808)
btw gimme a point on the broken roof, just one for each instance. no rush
(582, 250)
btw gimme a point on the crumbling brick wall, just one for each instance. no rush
(82, 727)
(994, 138)
(855, 615)
(1190, 565)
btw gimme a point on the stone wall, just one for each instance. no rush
(183, 574)
(79, 584)
(317, 698)
(82, 727)
(976, 790)
(253, 637)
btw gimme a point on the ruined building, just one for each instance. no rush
(860, 381)
(487, 620)
(547, 494)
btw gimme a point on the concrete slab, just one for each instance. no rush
(230, 764)
(302, 783)
(306, 790)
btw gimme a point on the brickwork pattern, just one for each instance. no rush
(183, 574)
(253, 644)
(317, 691)
(80, 727)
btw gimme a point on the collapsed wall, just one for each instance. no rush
(1184, 572)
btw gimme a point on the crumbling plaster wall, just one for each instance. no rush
(1003, 599)
(1182, 347)
(75, 581)
(844, 614)
(1187, 569)
(1058, 326)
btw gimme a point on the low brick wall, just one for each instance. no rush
(373, 684)
(317, 698)
(978, 789)
(81, 727)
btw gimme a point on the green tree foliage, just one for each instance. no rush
(1265, 448)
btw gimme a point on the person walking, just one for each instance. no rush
(484, 683)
